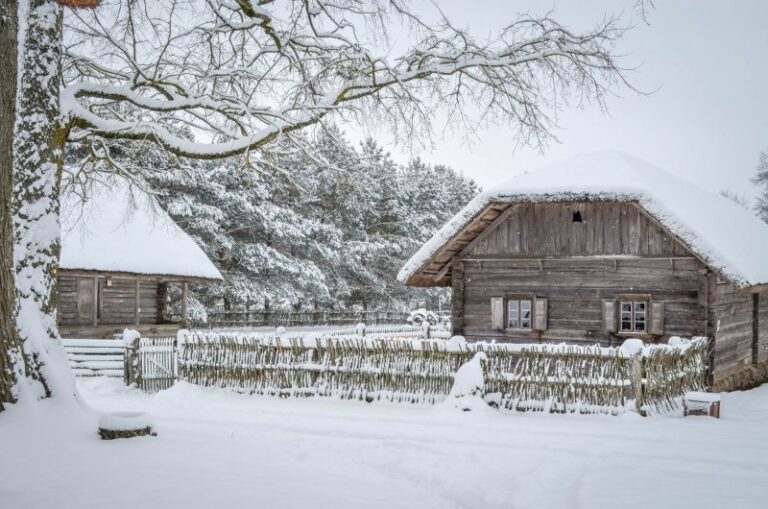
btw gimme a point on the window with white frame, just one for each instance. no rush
(633, 315)
(519, 313)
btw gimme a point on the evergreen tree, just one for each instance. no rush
(761, 179)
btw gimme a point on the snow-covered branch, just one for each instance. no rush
(243, 73)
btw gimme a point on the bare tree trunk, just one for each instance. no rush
(10, 344)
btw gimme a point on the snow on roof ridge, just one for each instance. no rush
(727, 236)
(119, 228)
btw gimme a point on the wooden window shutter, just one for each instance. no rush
(609, 315)
(657, 318)
(497, 313)
(540, 314)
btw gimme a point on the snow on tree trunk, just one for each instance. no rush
(10, 343)
(38, 145)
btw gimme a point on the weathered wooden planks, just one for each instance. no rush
(548, 229)
(95, 300)
(576, 288)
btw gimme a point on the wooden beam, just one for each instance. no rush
(490, 228)
(96, 303)
(440, 275)
(163, 278)
(184, 289)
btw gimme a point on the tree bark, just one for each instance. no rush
(10, 344)
(38, 157)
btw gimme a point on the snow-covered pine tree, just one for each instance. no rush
(761, 180)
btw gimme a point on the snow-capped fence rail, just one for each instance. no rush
(556, 378)
(95, 357)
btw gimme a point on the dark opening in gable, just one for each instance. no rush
(577, 217)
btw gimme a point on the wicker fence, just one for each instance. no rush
(553, 378)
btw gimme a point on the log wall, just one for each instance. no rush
(733, 330)
(116, 304)
(575, 289)
(762, 334)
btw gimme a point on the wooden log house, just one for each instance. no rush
(120, 256)
(600, 249)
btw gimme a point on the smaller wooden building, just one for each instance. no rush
(121, 255)
(602, 248)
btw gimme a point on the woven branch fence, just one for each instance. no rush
(554, 378)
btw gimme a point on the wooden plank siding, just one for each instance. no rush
(576, 288)
(116, 303)
(762, 330)
(548, 229)
(733, 330)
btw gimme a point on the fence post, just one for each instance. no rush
(637, 381)
(426, 327)
(132, 367)
(360, 329)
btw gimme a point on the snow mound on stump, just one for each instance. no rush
(469, 385)
(125, 425)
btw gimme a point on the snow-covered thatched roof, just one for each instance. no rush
(118, 228)
(723, 234)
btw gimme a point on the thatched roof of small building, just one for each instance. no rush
(115, 227)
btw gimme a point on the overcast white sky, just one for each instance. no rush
(708, 120)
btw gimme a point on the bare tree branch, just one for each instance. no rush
(242, 73)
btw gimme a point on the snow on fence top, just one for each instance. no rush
(118, 228)
(727, 236)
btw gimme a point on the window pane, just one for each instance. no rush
(525, 314)
(513, 314)
(626, 316)
(640, 316)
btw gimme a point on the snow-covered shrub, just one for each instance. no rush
(469, 384)
(421, 316)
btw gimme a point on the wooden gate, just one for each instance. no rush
(95, 357)
(155, 364)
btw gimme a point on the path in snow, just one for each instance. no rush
(222, 450)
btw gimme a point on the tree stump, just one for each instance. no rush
(125, 425)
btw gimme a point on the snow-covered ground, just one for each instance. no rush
(221, 450)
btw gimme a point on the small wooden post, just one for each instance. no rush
(132, 363)
(136, 308)
(184, 286)
(96, 303)
(637, 381)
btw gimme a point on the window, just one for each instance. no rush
(519, 313)
(633, 315)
